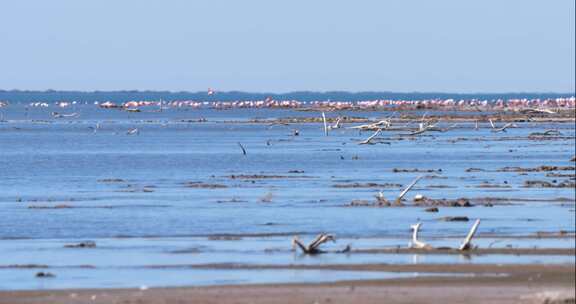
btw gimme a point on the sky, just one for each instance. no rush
(281, 46)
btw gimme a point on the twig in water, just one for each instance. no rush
(466, 245)
(503, 129)
(492, 124)
(242, 147)
(424, 126)
(405, 191)
(325, 124)
(367, 141)
(383, 124)
(336, 125)
(415, 242)
(314, 246)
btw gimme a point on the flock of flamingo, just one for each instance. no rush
(440, 104)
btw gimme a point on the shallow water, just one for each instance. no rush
(46, 162)
(145, 278)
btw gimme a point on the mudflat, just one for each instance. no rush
(481, 284)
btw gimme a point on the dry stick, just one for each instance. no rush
(466, 245)
(503, 129)
(296, 241)
(415, 242)
(312, 248)
(320, 239)
(325, 124)
(492, 124)
(315, 241)
(408, 188)
(336, 125)
(423, 127)
(383, 124)
(242, 147)
(367, 141)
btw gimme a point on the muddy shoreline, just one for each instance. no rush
(514, 284)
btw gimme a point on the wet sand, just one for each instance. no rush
(506, 284)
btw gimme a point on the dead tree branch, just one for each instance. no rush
(503, 128)
(314, 246)
(467, 245)
(380, 125)
(242, 147)
(369, 139)
(415, 242)
(325, 124)
(405, 191)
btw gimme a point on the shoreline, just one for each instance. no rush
(522, 284)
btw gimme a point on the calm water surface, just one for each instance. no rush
(128, 193)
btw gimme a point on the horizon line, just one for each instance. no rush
(289, 92)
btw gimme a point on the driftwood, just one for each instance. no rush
(336, 125)
(465, 246)
(314, 246)
(382, 201)
(424, 126)
(405, 191)
(325, 124)
(415, 243)
(242, 147)
(369, 139)
(380, 125)
(492, 124)
(503, 128)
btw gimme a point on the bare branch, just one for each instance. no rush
(314, 246)
(506, 126)
(415, 242)
(367, 141)
(466, 245)
(242, 147)
(403, 193)
(492, 124)
(325, 124)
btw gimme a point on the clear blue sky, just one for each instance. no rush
(279, 46)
